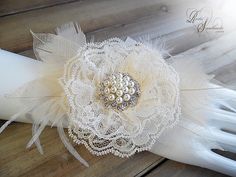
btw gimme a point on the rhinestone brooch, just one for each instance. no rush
(119, 91)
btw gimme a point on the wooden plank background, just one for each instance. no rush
(100, 19)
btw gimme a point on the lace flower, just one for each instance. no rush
(141, 96)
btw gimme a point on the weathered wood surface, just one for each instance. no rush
(15, 35)
(175, 169)
(10, 7)
(160, 19)
(15, 160)
(216, 53)
(217, 56)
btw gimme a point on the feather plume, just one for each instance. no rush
(72, 32)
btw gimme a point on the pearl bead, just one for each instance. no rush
(119, 85)
(127, 78)
(131, 84)
(119, 93)
(119, 75)
(106, 83)
(125, 83)
(111, 97)
(119, 80)
(126, 97)
(113, 82)
(106, 90)
(113, 89)
(119, 100)
(131, 91)
(125, 89)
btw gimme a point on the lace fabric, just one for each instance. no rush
(66, 93)
(141, 126)
(136, 129)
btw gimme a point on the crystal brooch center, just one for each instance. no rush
(119, 91)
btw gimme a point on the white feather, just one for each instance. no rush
(52, 48)
(72, 32)
(35, 128)
(68, 145)
(194, 84)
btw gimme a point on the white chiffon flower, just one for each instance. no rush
(121, 132)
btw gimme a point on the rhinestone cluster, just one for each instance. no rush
(119, 91)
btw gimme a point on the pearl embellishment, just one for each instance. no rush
(119, 91)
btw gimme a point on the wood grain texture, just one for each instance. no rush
(9, 7)
(164, 20)
(206, 51)
(176, 169)
(217, 56)
(15, 35)
(15, 160)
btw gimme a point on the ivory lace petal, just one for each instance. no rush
(105, 131)
(66, 93)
